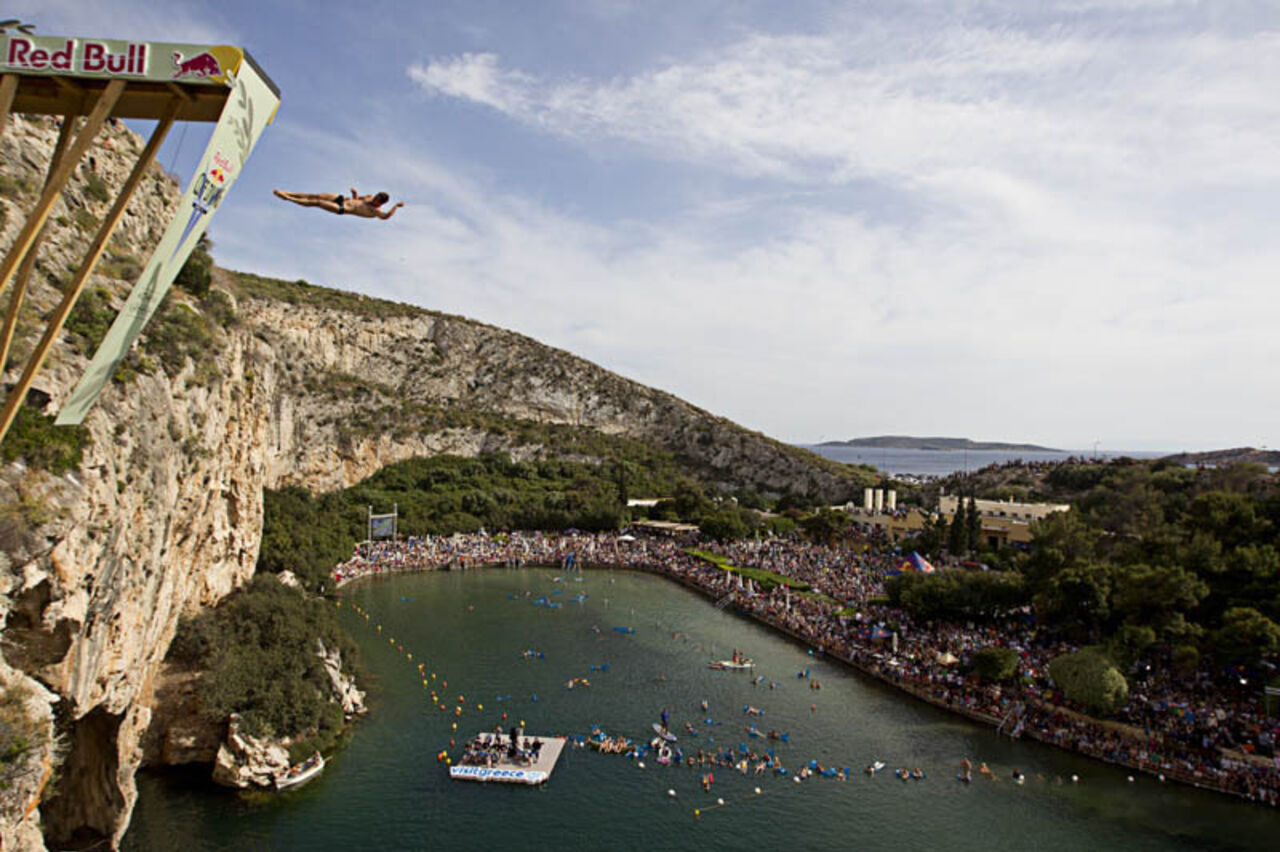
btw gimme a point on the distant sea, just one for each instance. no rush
(946, 462)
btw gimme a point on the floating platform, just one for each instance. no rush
(505, 771)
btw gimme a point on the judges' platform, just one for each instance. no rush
(505, 771)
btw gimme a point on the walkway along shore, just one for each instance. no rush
(1242, 776)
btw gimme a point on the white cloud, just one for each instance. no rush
(892, 104)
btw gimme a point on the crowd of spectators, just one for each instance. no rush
(1192, 730)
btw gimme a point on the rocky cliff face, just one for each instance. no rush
(164, 514)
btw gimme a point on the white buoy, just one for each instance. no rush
(1130, 779)
(671, 793)
(641, 764)
(1075, 779)
(757, 791)
(719, 801)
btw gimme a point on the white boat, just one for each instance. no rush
(302, 772)
(732, 665)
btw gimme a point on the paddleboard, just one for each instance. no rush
(663, 732)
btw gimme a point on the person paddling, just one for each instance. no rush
(364, 206)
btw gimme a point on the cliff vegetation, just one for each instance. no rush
(255, 655)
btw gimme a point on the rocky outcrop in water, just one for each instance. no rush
(244, 761)
(263, 385)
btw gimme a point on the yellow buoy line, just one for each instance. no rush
(428, 679)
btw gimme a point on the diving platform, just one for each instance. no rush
(502, 769)
(104, 80)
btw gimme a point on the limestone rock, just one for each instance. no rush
(244, 761)
(344, 686)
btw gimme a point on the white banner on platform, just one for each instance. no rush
(484, 773)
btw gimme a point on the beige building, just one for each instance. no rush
(894, 525)
(1004, 522)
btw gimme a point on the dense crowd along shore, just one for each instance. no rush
(1204, 730)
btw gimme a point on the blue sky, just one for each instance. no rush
(1049, 222)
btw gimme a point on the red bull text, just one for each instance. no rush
(92, 58)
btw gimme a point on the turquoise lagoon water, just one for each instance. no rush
(385, 790)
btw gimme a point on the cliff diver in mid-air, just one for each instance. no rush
(364, 206)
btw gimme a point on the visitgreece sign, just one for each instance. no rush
(510, 776)
(214, 65)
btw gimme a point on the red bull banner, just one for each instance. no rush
(249, 108)
(214, 65)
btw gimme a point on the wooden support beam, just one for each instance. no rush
(29, 263)
(40, 214)
(145, 159)
(8, 87)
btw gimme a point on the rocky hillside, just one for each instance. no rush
(259, 384)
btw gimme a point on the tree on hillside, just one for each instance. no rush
(1246, 636)
(825, 526)
(1227, 516)
(1076, 599)
(1058, 542)
(933, 538)
(725, 525)
(1157, 595)
(794, 500)
(973, 525)
(958, 532)
(995, 663)
(1089, 678)
(691, 502)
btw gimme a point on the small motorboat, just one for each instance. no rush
(301, 773)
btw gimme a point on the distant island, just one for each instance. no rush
(1237, 455)
(907, 442)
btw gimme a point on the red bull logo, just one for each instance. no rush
(201, 65)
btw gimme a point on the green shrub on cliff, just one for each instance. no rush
(257, 655)
(89, 320)
(34, 439)
(178, 333)
(20, 736)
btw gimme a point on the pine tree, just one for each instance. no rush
(974, 524)
(958, 534)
